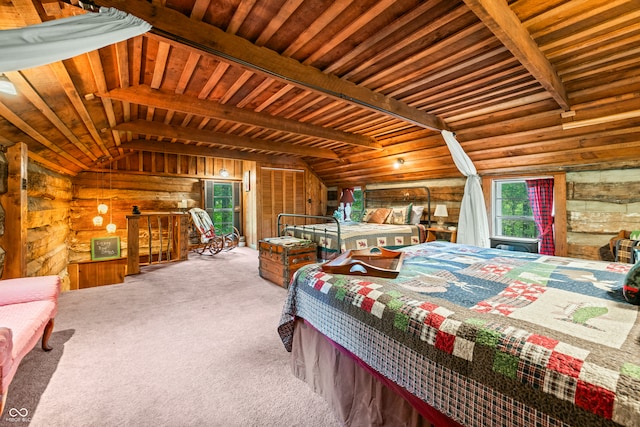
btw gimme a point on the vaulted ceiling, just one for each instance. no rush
(345, 86)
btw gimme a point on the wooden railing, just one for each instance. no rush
(163, 235)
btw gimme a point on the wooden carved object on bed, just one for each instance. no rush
(376, 262)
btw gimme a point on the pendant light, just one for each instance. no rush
(111, 227)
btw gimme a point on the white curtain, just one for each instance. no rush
(52, 41)
(473, 225)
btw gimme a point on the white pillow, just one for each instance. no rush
(416, 214)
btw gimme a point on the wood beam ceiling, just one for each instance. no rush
(202, 151)
(144, 95)
(230, 48)
(505, 25)
(161, 130)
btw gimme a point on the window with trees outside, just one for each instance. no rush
(222, 202)
(512, 212)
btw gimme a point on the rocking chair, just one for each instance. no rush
(209, 240)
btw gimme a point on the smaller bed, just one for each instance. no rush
(406, 223)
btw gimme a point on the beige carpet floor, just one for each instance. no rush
(192, 343)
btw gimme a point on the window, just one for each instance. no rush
(356, 206)
(222, 202)
(512, 213)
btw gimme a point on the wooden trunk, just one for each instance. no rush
(281, 257)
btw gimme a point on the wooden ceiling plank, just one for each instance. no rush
(214, 41)
(170, 101)
(19, 123)
(122, 63)
(160, 64)
(284, 12)
(273, 98)
(192, 150)
(355, 26)
(236, 86)
(187, 72)
(398, 69)
(385, 32)
(199, 9)
(564, 45)
(566, 14)
(506, 26)
(443, 68)
(101, 84)
(241, 13)
(70, 90)
(255, 92)
(327, 17)
(213, 80)
(467, 82)
(29, 92)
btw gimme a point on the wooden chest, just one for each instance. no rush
(281, 257)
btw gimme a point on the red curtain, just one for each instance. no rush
(541, 199)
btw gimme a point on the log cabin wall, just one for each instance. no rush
(49, 198)
(599, 205)
(446, 191)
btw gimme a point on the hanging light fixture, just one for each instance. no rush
(102, 207)
(111, 227)
(97, 220)
(224, 173)
(398, 163)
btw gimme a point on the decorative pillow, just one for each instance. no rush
(397, 216)
(367, 214)
(416, 214)
(379, 216)
(635, 235)
(631, 287)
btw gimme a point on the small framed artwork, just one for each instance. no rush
(246, 180)
(105, 248)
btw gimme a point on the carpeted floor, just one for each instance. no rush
(184, 344)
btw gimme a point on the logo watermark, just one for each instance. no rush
(18, 415)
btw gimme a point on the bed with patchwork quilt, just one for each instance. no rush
(481, 336)
(332, 239)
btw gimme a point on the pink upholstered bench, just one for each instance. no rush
(27, 309)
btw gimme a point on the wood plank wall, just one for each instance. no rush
(447, 192)
(599, 205)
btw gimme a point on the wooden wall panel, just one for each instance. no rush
(280, 191)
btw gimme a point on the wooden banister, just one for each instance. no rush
(176, 236)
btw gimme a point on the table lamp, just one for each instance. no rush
(441, 213)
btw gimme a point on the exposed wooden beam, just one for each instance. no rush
(144, 95)
(505, 25)
(25, 88)
(162, 130)
(228, 47)
(199, 150)
(21, 124)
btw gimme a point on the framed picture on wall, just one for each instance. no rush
(105, 248)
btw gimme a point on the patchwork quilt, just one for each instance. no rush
(488, 337)
(357, 235)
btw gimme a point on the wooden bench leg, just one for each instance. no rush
(46, 334)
